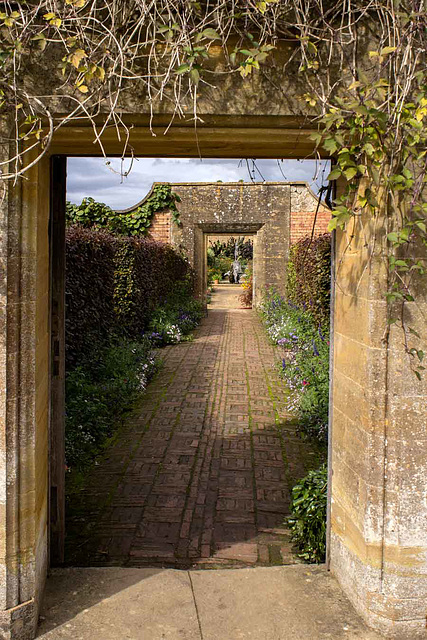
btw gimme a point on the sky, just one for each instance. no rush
(92, 177)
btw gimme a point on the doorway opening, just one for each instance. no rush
(200, 474)
(230, 270)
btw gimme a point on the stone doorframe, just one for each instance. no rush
(249, 230)
(238, 230)
(236, 208)
(379, 462)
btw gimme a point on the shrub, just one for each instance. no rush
(113, 286)
(89, 287)
(308, 515)
(305, 365)
(309, 276)
(98, 391)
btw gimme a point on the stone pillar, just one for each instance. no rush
(23, 515)
(379, 441)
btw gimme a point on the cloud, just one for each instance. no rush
(92, 177)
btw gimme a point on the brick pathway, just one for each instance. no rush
(201, 473)
(226, 296)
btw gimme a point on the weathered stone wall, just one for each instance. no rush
(305, 213)
(24, 384)
(379, 445)
(236, 208)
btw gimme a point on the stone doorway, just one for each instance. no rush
(225, 293)
(381, 569)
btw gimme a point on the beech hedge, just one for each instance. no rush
(113, 286)
(309, 276)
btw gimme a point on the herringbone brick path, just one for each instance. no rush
(202, 471)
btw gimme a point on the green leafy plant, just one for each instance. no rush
(135, 223)
(177, 317)
(99, 391)
(308, 515)
(308, 276)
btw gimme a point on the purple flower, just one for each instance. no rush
(316, 352)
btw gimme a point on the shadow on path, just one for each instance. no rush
(200, 475)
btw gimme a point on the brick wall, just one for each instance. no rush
(303, 210)
(160, 228)
(302, 223)
(303, 213)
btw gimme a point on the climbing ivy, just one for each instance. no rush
(384, 182)
(135, 223)
(161, 199)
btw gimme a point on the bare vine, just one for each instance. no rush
(363, 64)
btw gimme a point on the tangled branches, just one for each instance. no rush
(362, 64)
(77, 57)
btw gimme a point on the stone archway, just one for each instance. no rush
(378, 547)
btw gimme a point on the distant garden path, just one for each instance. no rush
(226, 296)
(201, 473)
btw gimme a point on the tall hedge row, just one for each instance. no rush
(113, 284)
(309, 276)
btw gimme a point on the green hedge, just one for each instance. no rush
(308, 519)
(309, 276)
(113, 286)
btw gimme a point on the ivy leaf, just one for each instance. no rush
(40, 38)
(100, 72)
(387, 50)
(335, 173)
(369, 149)
(76, 57)
(317, 137)
(330, 144)
(393, 237)
(183, 68)
(211, 34)
(350, 172)
(375, 175)
(195, 76)
(332, 224)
